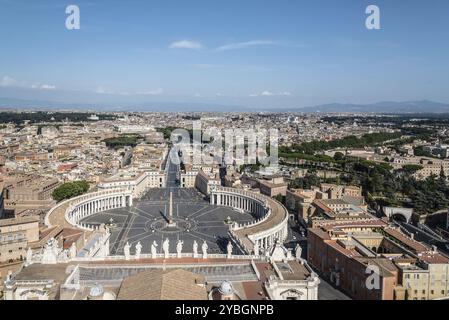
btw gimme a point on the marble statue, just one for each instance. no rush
(154, 249)
(63, 256)
(29, 258)
(165, 247)
(126, 250)
(229, 249)
(204, 249)
(256, 248)
(9, 276)
(73, 251)
(298, 252)
(138, 250)
(195, 249)
(179, 248)
(51, 252)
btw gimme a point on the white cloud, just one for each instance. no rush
(7, 81)
(48, 87)
(186, 44)
(247, 44)
(154, 92)
(102, 90)
(270, 94)
(197, 95)
(43, 86)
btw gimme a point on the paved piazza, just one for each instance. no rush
(196, 219)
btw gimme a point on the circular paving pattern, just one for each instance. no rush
(194, 217)
(179, 226)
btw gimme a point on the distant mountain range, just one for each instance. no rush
(424, 106)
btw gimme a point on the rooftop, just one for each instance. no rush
(160, 284)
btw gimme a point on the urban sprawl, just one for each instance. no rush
(104, 206)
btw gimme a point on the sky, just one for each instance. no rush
(255, 53)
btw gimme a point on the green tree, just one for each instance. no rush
(70, 189)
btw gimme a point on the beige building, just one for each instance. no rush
(425, 278)
(29, 191)
(273, 187)
(204, 182)
(138, 182)
(329, 201)
(432, 167)
(15, 234)
(188, 177)
(408, 269)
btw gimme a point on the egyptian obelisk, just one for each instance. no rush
(170, 211)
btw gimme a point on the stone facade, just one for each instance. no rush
(15, 235)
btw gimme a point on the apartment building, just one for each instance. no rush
(15, 235)
(349, 253)
(188, 176)
(138, 182)
(204, 182)
(273, 186)
(24, 191)
(327, 202)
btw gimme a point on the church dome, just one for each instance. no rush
(225, 288)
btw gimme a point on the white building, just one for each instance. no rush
(136, 182)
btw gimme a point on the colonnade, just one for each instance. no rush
(240, 201)
(267, 240)
(267, 229)
(89, 204)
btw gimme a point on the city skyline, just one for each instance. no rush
(275, 55)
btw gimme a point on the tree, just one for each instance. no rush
(411, 168)
(70, 189)
(338, 156)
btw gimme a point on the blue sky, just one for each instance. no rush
(268, 53)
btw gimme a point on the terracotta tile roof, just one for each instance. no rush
(342, 250)
(163, 285)
(322, 206)
(432, 258)
(416, 246)
(319, 232)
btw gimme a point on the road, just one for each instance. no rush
(172, 169)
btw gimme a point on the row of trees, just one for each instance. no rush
(70, 189)
(366, 140)
(122, 141)
(42, 116)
